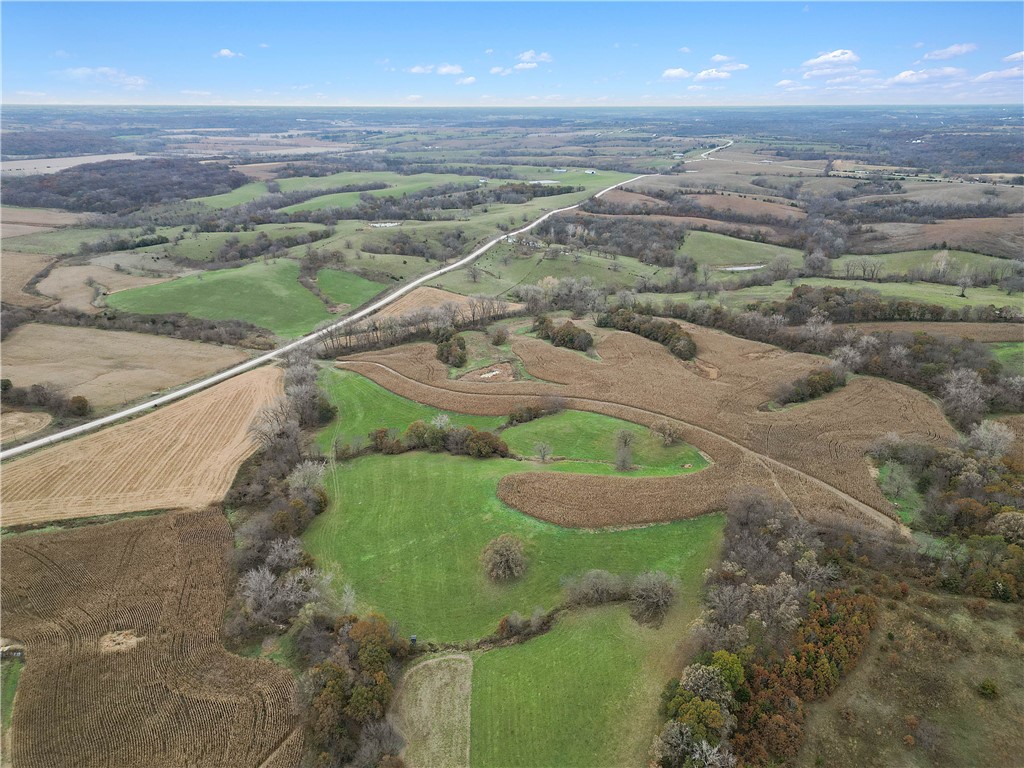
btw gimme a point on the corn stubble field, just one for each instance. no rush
(126, 664)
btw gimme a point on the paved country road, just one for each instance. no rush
(268, 357)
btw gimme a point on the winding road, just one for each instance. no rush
(156, 402)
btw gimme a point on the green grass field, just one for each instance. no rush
(406, 531)
(346, 287)
(725, 251)
(56, 242)
(903, 261)
(10, 671)
(590, 437)
(1010, 354)
(265, 294)
(397, 186)
(526, 706)
(927, 293)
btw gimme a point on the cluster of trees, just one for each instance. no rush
(377, 332)
(649, 594)
(438, 436)
(122, 241)
(903, 210)
(812, 385)
(178, 326)
(45, 396)
(776, 631)
(402, 244)
(233, 250)
(353, 665)
(650, 240)
(524, 413)
(972, 495)
(122, 185)
(578, 295)
(665, 332)
(961, 372)
(568, 334)
(451, 347)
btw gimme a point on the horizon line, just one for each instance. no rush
(514, 106)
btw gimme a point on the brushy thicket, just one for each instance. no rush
(665, 332)
(565, 335)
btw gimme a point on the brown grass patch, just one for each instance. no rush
(747, 206)
(1002, 237)
(183, 455)
(812, 454)
(38, 217)
(15, 425)
(985, 332)
(260, 171)
(107, 367)
(16, 269)
(69, 285)
(426, 297)
(121, 624)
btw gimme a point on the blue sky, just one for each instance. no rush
(497, 54)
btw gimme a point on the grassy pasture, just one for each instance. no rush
(55, 242)
(398, 185)
(347, 287)
(904, 261)
(1010, 354)
(724, 251)
(267, 294)
(10, 671)
(406, 531)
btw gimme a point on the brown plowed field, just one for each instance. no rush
(68, 285)
(993, 236)
(812, 453)
(172, 696)
(16, 269)
(183, 455)
(108, 368)
(15, 425)
(38, 217)
(985, 332)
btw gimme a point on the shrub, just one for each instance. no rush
(596, 587)
(503, 558)
(499, 335)
(668, 334)
(452, 351)
(988, 689)
(78, 406)
(651, 595)
(483, 445)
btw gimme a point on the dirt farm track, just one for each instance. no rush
(182, 456)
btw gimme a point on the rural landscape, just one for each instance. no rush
(511, 436)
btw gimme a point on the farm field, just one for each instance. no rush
(432, 710)
(15, 425)
(927, 293)
(17, 270)
(56, 242)
(406, 531)
(423, 297)
(267, 294)
(108, 368)
(70, 285)
(814, 451)
(183, 455)
(952, 261)
(725, 251)
(1010, 354)
(121, 624)
(347, 287)
(983, 332)
(397, 186)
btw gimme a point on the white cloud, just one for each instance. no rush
(421, 69)
(695, 87)
(954, 50)
(489, 51)
(501, 70)
(676, 73)
(465, 81)
(532, 55)
(264, 45)
(1003, 74)
(684, 49)
(61, 54)
(107, 76)
(919, 45)
(828, 72)
(734, 67)
(839, 56)
(525, 65)
(1018, 56)
(227, 53)
(449, 69)
(719, 58)
(785, 82)
(913, 77)
(711, 74)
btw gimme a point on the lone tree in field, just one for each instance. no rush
(651, 595)
(668, 433)
(624, 450)
(543, 452)
(503, 558)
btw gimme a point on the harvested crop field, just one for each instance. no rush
(426, 297)
(37, 217)
(70, 285)
(984, 332)
(16, 269)
(993, 236)
(183, 455)
(812, 453)
(15, 425)
(121, 624)
(108, 368)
